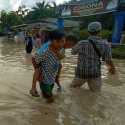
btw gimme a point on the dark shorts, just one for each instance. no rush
(46, 90)
(29, 48)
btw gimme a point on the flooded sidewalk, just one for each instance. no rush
(72, 106)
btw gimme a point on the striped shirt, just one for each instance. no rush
(89, 63)
(48, 65)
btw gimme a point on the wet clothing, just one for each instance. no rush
(40, 51)
(89, 63)
(48, 65)
(94, 84)
(43, 48)
(46, 89)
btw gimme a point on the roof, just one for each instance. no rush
(47, 23)
(19, 26)
(67, 23)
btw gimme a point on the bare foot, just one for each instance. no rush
(34, 93)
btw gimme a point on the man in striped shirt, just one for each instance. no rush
(49, 64)
(90, 52)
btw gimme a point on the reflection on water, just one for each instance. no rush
(72, 107)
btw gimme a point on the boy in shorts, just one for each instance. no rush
(37, 75)
(49, 64)
(70, 42)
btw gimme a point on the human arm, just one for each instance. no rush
(111, 67)
(38, 58)
(108, 59)
(75, 49)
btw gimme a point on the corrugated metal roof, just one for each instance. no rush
(48, 22)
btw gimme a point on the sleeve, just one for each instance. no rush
(38, 58)
(75, 49)
(48, 76)
(107, 53)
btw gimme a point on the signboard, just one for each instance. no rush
(88, 7)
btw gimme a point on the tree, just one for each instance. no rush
(3, 17)
(22, 11)
(42, 10)
(13, 19)
(9, 19)
(23, 15)
(3, 20)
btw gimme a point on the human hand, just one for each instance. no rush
(112, 70)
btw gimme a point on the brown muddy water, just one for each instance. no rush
(72, 106)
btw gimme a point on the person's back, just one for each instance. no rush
(90, 52)
(88, 59)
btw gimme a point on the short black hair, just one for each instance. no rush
(56, 35)
(72, 38)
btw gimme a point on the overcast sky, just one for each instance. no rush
(14, 4)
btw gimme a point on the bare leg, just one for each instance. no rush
(33, 91)
(34, 80)
(58, 81)
(95, 84)
(77, 83)
(58, 78)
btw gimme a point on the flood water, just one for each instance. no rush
(72, 106)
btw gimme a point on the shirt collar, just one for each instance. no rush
(94, 37)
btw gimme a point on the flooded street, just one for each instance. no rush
(72, 107)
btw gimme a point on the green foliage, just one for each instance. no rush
(106, 33)
(9, 19)
(13, 19)
(107, 21)
(3, 17)
(23, 15)
(119, 52)
(42, 10)
(83, 34)
(1, 28)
